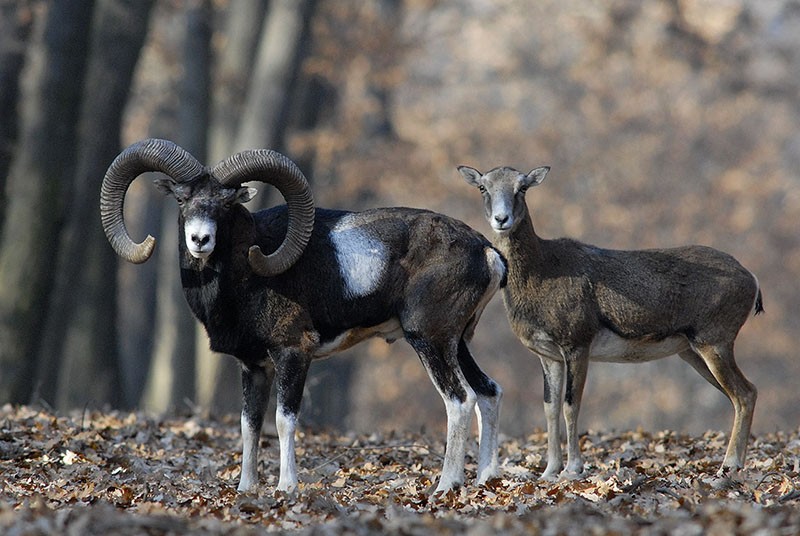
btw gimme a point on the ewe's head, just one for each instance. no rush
(503, 191)
(205, 195)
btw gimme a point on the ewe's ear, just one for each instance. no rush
(471, 175)
(245, 194)
(536, 176)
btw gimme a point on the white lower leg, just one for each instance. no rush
(554, 460)
(574, 458)
(250, 438)
(742, 421)
(459, 417)
(286, 425)
(488, 411)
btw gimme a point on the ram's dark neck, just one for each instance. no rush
(201, 286)
(210, 285)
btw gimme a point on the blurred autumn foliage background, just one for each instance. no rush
(665, 122)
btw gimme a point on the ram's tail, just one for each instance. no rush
(500, 265)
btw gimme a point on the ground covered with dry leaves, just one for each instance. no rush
(130, 473)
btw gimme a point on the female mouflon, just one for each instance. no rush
(571, 303)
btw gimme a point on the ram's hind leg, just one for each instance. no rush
(441, 362)
(487, 409)
(742, 394)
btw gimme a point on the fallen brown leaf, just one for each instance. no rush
(97, 473)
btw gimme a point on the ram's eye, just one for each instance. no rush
(522, 189)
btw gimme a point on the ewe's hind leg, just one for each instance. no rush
(487, 409)
(742, 394)
(441, 362)
(697, 363)
(553, 372)
(256, 383)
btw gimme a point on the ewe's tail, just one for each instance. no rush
(759, 305)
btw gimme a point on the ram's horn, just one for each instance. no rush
(141, 157)
(279, 171)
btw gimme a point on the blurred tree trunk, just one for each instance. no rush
(328, 400)
(38, 179)
(274, 69)
(136, 292)
(232, 73)
(218, 377)
(15, 26)
(81, 330)
(172, 377)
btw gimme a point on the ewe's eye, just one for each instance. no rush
(482, 188)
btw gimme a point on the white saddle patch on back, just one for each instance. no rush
(361, 258)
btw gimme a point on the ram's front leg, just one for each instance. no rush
(292, 369)
(256, 383)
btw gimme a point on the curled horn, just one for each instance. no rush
(141, 157)
(279, 171)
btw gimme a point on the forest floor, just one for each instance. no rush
(130, 473)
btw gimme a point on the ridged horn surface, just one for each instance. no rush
(275, 169)
(141, 157)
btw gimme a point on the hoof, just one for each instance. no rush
(571, 475)
(550, 474)
(444, 488)
(486, 475)
(289, 488)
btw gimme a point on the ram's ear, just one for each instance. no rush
(165, 185)
(245, 194)
(471, 175)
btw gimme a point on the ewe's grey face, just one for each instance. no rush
(203, 203)
(503, 191)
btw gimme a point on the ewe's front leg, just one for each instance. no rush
(292, 369)
(256, 383)
(553, 372)
(577, 365)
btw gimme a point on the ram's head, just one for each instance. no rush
(203, 194)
